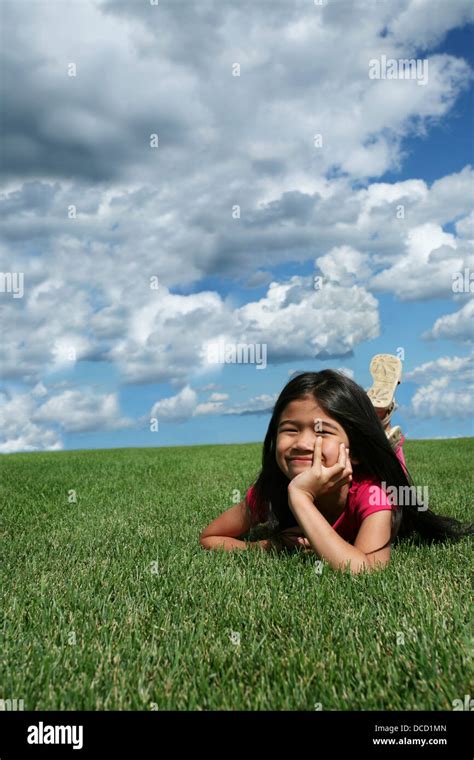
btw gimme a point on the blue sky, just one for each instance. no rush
(91, 353)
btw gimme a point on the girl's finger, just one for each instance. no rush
(340, 475)
(346, 477)
(317, 451)
(335, 471)
(347, 469)
(349, 465)
(342, 455)
(303, 543)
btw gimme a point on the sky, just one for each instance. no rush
(199, 199)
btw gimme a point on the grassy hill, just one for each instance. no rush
(110, 603)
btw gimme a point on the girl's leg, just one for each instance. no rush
(386, 371)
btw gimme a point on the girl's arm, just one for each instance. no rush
(303, 493)
(227, 543)
(329, 545)
(223, 531)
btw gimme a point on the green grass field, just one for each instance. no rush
(110, 603)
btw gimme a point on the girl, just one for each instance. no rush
(326, 466)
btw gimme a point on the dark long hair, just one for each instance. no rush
(347, 403)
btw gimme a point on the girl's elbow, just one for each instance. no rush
(373, 565)
(203, 542)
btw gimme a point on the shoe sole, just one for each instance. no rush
(386, 371)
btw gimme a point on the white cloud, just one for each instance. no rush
(459, 367)
(426, 267)
(347, 371)
(298, 322)
(105, 309)
(68, 349)
(78, 411)
(176, 408)
(439, 399)
(465, 226)
(168, 338)
(167, 212)
(208, 387)
(18, 431)
(447, 388)
(39, 391)
(208, 407)
(458, 326)
(183, 406)
(33, 421)
(345, 265)
(261, 404)
(421, 23)
(48, 330)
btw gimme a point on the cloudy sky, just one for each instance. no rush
(188, 174)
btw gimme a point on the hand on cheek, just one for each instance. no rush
(330, 451)
(322, 479)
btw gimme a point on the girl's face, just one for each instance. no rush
(296, 437)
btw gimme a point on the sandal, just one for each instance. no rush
(386, 370)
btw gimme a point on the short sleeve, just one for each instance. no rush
(257, 510)
(370, 498)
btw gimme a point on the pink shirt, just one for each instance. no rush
(364, 498)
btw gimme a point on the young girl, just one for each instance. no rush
(327, 464)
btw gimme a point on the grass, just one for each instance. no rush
(110, 603)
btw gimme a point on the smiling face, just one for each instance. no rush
(296, 436)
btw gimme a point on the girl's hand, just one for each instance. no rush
(319, 480)
(294, 538)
